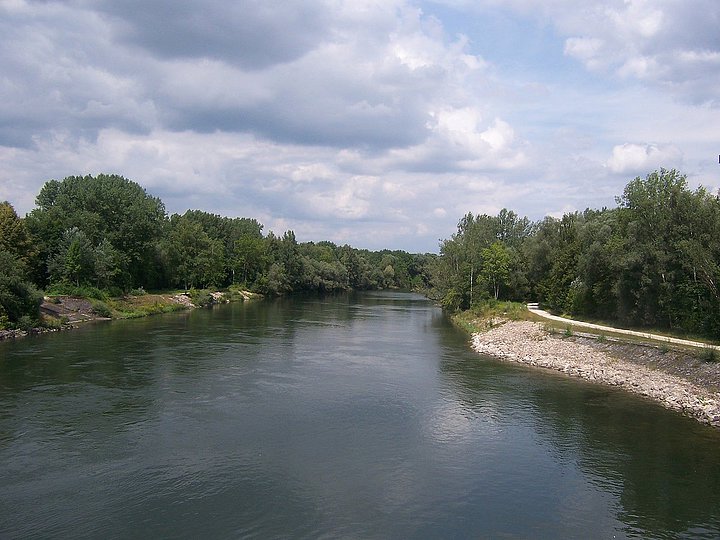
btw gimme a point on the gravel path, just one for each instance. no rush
(677, 380)
(645, 335)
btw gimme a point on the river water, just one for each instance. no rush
(348, 416)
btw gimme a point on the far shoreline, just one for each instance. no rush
(68, 312)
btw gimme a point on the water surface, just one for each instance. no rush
(358, 415)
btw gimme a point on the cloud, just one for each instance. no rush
(651, 41)
(645, 40)
(374, 123)
(252, 35)
(639, 158)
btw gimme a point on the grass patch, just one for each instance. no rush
(101, 308)
(68, 289)
(133, 307)
(488, 315)
(709, 355)
(513, 311)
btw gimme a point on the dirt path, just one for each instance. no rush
(655, 337)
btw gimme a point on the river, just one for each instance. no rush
(345, 416)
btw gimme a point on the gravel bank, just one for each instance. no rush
(677, 380)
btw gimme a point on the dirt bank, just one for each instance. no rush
(66, 312)
(678, 380)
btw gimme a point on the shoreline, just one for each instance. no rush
(69, 312)
(674, 379)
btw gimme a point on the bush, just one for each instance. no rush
(101, 308)
(201, 297)
(500, 309)
(68, 289)
(26, 323)
(18, 297)
(710, 355)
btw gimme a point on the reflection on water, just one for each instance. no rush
(361, 415)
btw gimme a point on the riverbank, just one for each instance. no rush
(65, 312)
(677, 379)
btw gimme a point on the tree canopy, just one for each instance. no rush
(653, 261)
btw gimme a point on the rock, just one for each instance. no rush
(675, 381)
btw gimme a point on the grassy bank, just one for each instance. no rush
(76, 304)
(483, 317)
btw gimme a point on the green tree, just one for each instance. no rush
(14, 237)
(74, 261)
(18, 298)
(652, 217)
(106, 207)
(495, 267)
(195, 258)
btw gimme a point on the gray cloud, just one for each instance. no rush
(373, 123)
(251, 34)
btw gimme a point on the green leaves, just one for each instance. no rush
(652, 261)
(495, 267)
(18, 298)
(106, 208)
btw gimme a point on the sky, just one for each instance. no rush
(377, 123)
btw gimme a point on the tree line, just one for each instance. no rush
(652, 261)
(108, 233)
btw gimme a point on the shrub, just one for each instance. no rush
(68, 289)
(710, 355)
(201, 297)
(101, 308)
(25, 323)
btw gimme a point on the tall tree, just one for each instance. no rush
(105, 207)
(14, 237)
(496, 267)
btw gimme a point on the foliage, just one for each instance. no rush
(79, 214)
(101, 308)
(14, 236)
(495, 267)
(19, 300)
(201, 297)
(70, 289)
(488, 314)
(653, 261)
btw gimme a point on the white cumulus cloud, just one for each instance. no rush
(639, 158)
